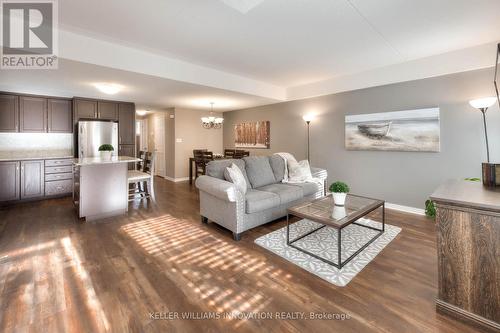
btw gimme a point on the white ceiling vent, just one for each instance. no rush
(243, 6)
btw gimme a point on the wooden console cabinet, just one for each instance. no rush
(468, 242)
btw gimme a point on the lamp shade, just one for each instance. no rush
(308, 117)
(483, 103)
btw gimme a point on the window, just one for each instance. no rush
(138, 128)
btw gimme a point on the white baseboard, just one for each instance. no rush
(406, 209)
(176, 180)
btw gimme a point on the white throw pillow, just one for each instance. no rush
(299, 172)
(234, 175)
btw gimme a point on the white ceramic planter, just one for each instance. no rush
(339, 199)
(106, 155)
(339, 212)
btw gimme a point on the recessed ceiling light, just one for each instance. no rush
(141, 112)
(108, 88)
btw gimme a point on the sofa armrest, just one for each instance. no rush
(219, 188)
(319, 173)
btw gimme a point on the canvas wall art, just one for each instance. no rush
(413, 130)
(252, 135)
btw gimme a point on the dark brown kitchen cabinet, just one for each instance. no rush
(127, 150)
(9, 181)
(84, 109)
(107, 110)
(9, 113)
(32, 114)
(32, 179)
(60, 116)
(126, 125)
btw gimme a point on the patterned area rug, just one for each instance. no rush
(324, 244)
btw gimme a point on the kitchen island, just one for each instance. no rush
(100, 187)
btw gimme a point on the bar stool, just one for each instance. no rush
(144, 177)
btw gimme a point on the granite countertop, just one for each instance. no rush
(26, 155)
(99, 160)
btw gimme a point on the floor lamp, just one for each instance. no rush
(482, 105)
(489, 169)
(308, 118)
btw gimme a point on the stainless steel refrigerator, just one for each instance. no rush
(93, 133)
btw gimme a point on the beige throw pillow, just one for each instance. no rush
(234, 175)
(299, 172)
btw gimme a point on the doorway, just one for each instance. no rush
(141, 135)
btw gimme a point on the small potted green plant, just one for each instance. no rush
(339, 190)
(106, 150)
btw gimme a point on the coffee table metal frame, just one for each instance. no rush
(361, 213)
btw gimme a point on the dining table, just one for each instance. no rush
(192, 165)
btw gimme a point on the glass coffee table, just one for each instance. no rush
(324, 212)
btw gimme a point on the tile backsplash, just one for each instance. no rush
(36, 141)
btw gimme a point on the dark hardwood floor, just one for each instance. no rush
(58, 274)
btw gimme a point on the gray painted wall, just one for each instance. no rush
(404, 178)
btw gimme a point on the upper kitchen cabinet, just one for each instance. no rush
(33, 114)
(94, 109)
(107, 110)
(85, 108)
(9, 113)
(126, 124)
(60, 116)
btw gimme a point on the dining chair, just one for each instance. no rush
(201, 158)
(196, 151)
(241, 153)
(142, 154)
(144, 177)
(229, 153)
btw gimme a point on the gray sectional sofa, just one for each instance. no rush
(266, 199)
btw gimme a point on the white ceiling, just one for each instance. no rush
(243, 53)
(148, 92)
(290, 42)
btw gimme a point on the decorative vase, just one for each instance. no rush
(339, 198)
(339, 212)
(105, 154)
(491, 174)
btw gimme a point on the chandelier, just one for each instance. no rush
(211, 121)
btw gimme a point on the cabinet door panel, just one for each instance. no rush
(9, 181)
(32, 179)
(126, 123)
(85, 109)
(60, 116)
(33, 114)
(107, 110)
(9, 113)
(127, 150)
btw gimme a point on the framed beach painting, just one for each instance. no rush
(412, 130)
(254, 134)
